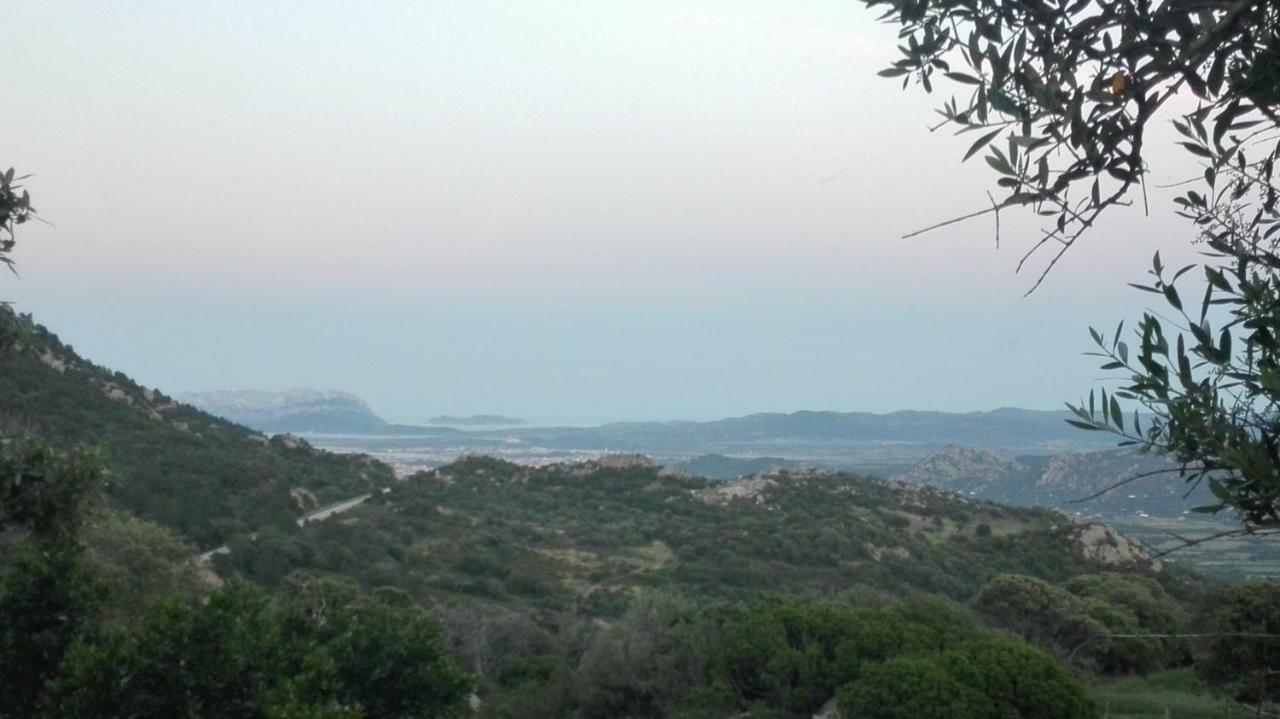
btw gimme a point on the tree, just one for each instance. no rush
(645, 663)
(1133, 604)
(911, 686)
(1018, 680)
(1074, 84)
(987, 678)
(46, 493)
(1072, 87)
(1242, 654)
(46, 597)
(324, 650)
(15, 209)
(1039, 612)
(793, 655)
(138, 563)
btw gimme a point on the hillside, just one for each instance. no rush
(301, 410)
(1062, 480)
(1154, 509)
(171, 463)
(585, 537)
(540, 572)
(718, 466)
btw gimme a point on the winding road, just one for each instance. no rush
(318, 515)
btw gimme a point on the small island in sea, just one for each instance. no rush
(475, 419)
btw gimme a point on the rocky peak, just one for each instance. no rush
(963, 469)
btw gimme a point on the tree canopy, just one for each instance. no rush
(15, 209)
(1073, 85)
(1061, 95)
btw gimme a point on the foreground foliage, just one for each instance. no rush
(71, 644)
(1072, 86)
(1243, 654)
(325, 652)
(1172, 694)
(15, 210)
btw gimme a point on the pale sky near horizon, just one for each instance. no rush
(594, 210)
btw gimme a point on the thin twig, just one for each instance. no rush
(996, 208)
(952, 221)
(1127, 480)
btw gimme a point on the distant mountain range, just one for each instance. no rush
(815, 435)
(875, 442)
(1013, 456)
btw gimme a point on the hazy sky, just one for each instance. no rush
(557, 210)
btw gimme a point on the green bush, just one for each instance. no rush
(241, 654)
(910, 688)
(988, 678)
(1237, 660)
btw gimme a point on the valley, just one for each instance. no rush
(1045, 463)
(546, 554)
(622, 360)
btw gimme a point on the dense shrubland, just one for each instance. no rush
(555, 583)
(73, 639)
(570, 537)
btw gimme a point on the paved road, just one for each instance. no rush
(322, 514)
(317, 516)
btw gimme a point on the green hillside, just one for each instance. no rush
(532, 570)
(589, 536)
(168, 462)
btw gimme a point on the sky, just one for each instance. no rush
(577, 211)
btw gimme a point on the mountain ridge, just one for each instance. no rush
(330, 411)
